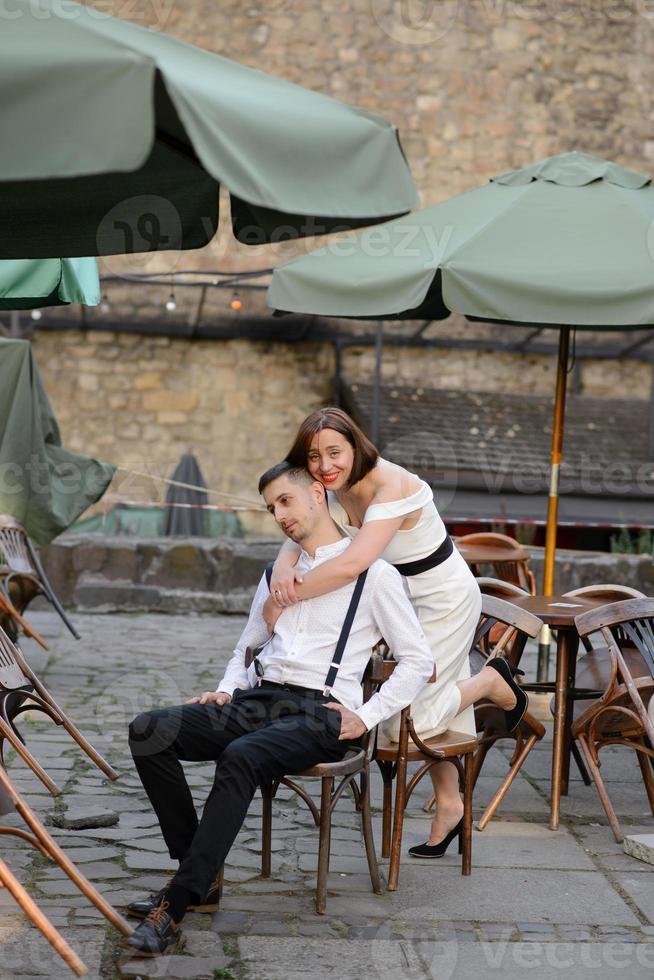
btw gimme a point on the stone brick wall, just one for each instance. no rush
(476, 87)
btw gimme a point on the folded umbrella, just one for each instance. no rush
(116, 140)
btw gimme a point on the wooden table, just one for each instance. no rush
(559, 612)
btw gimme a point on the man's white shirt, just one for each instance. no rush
(301, 649)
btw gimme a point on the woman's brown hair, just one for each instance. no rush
(365, 454)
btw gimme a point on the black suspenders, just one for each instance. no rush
(332, 673)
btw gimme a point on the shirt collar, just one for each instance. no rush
(328, 550)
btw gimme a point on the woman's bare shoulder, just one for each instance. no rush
(393, 482)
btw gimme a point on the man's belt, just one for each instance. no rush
(436, 558)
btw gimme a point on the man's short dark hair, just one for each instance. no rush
(296, 473)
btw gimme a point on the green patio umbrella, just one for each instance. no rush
(27, 284)
(116, 139)
(566, 242)
(42, 485)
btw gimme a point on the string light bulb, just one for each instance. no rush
(36, 314)
(105, 305)
(236, 303)
(171, 305)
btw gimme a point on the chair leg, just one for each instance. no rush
(266, 830)
(468, 786)
(35, 915)
(583, 772)
(398, 819)
(7, 732)
(489, 812)
(66, 865)
(368, 837)
(65, 721)
(648, 779)
(324, 843)
(386, 770)
(480, 758)
(430, 804)
(601, 791)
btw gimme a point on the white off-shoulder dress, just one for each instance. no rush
(447, 601)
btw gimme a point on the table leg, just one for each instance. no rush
(560, 712)
(573, 646)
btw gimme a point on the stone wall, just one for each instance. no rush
(93, 573)
(141, 402)
(476, 87)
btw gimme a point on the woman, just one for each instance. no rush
(390, 513)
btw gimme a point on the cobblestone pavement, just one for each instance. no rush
(538, 903)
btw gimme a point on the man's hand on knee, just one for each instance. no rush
(211, 697)
(351, 725)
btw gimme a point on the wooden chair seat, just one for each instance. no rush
(351, 762)
(446, 745)
(594, 674)
(613, 719)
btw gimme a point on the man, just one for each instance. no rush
(259, 729)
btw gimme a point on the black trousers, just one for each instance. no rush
(261, 735)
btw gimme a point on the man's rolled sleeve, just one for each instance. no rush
(398, 624)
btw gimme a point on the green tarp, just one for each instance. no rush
(27, 284)
(568, 241)
(42, 485)
(116, 139)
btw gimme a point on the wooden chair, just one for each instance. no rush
(335, 778)
(20, 691)
(393, 757)
(508, 638)
(37, 835)
(24, 577)
(36, 916)
(514, 568)
(620, 716)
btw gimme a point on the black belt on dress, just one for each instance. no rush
(437, 557)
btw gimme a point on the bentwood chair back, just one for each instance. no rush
(620, 715)
(22, 576)
(512, 567)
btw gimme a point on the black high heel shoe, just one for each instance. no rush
(438, 850)
(516, 714)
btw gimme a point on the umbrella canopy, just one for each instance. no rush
(566, 242)
(116, 139)
(26, 284)
(42, 485)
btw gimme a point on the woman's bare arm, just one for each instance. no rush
(369, 545)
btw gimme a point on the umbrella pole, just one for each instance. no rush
(376, 391)
(553, 498)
